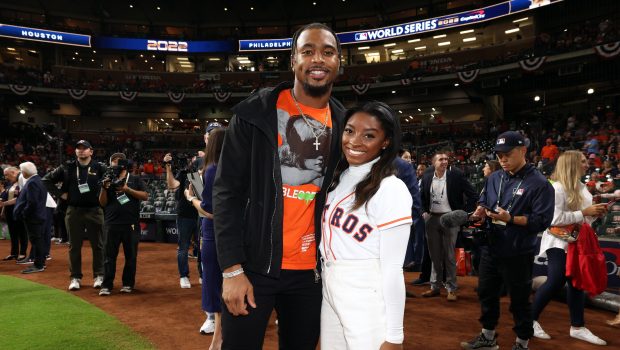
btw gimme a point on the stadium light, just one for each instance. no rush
(393, 91)
(510, 31)
(443, 43)
(536, 98)
(439, 36)
(466, 40)
(466, 31)
(590, 91)
(413, 41)
(389, 45)
(22, 111)
(520, 20)
(456, 84)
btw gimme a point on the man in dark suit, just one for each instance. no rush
(30, 208)
(444, 190)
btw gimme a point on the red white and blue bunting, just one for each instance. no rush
(532, 64)
(608, 50)
(468, 76)
(360, 89)
(128, 95)
(176, 97)
(222, 96)
(20, 90)
(77, 94)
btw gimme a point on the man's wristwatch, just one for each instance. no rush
(512, 219)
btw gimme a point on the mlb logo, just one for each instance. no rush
(501, 141)
(520, 192)
(361, 36)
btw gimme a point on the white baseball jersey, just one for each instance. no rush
(355, 234)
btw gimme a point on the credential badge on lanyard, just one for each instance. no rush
(82, 187)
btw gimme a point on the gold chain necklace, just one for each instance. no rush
(312, 128)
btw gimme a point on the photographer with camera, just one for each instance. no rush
(120, 198)
(80, 185)
(518, 203)
(187, 216)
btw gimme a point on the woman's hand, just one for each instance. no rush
(595, 210)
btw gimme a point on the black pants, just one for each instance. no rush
(297, 300)
(19, 238)
(129, 236)
(515, 273)
(36, 232)
(85, 222)
(556, 279)
(60, 228)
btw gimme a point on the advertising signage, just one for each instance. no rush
(406, 29)
(44, 35)
(163, 45)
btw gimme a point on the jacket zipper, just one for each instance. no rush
(273, 215)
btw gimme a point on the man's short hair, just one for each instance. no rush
(314, 26)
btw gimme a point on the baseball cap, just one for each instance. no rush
(83, 143)
(213, 125)
(508, 140)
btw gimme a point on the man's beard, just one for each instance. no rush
(316, 91)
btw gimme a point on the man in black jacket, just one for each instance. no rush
(80, 187)
(444, 190)
(278, 160)
(30, 208)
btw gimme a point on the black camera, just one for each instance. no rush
(113, 172)
(179, 161)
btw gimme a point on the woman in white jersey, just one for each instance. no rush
(366, 223)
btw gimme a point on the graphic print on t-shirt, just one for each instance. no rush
(303, 147)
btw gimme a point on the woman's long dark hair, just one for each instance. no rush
(383, 168)
(214, 147)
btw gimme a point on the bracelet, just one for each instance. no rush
(232, 274)
(190, 199)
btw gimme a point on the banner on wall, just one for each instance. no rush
(44, 35)
(167, 46)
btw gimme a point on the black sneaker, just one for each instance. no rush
(481, 343)
(25, 261)
(10, 257)
(33, 269)
(518, 346)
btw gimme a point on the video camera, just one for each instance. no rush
(179, 161)
(113, 172)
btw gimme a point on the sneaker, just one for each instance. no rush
(49, 257)
(481, 343)
(452, 296)
(208, 327)
(419, 282)
(518, 346)
(584, 334)
(539, 332)
(25, 261)
(184, 282)
(98, 282)
(33, 269)
(104, 292)
(431, 293)
(10, 257)
(75, 284)
(126, 289)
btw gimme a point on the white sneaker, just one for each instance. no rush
(539, 332)
(98, 282)
(75, 284)
(184, 282)
(584, 334)
(208, 327)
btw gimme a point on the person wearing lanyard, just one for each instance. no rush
(443, 190)
(84, 217)
(120, 198)
(518, 203)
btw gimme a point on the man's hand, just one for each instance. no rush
(105, 185)
(391, 346)
(64, 196)
(479, 214)
(167, 159)
(234, 293)
(501, 215)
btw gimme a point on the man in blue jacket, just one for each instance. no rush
(518, 203)
(30, 208)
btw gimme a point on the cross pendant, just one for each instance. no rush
(316, 144)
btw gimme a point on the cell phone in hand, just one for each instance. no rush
(489, 208)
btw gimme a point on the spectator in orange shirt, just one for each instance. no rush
(550, 151)
(149, 168)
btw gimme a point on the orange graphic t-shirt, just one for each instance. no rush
(303, 146)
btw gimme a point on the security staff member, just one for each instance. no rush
(518, 203)
(80, 188)
(120, 198)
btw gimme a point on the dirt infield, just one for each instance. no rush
(170, 316)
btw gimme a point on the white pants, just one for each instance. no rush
(353, 309)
